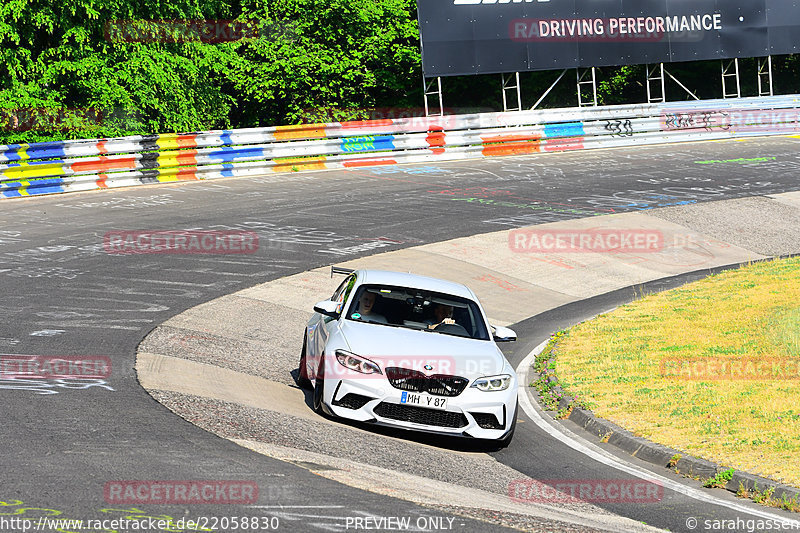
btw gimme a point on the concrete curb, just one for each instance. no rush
(660, 455)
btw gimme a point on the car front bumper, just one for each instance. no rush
(473, 413)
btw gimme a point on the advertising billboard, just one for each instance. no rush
(461, 37)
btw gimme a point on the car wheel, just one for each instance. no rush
(302, 373)
(319, 388)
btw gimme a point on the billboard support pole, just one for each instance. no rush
(765, 71)
(682, 86)
(539, 101)
(581, 76)
(732, 64)
(507, 86)
(655, 75)
(431, 90)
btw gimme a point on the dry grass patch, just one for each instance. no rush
(614, 364)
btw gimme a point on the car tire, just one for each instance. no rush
(302, 374)
(319, 388)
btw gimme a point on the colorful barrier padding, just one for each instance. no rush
(80, 165)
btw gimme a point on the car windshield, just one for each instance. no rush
(417, 309)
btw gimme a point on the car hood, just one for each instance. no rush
(427, 352)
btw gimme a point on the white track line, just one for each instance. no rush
(583, 446)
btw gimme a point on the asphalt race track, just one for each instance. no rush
(64, 295)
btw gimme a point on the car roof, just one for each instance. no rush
(405, 279)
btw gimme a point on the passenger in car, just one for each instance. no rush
(366, 303)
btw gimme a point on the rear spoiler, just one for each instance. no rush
(341, 270)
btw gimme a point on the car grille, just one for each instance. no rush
(487, 421)
(352, 401)
(415, 381)
(420, 415)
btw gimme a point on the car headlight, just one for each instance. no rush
(357, 363)
(493, 383)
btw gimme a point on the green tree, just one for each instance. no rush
(309, 54)
(343, 54)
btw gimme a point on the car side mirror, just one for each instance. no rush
(327, 308)
(503, 334)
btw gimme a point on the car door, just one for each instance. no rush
(323, 326)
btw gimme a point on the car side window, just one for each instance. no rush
(339, 290)
(342, 293)
(350, 282)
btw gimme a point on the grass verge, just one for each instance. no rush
(711, 368)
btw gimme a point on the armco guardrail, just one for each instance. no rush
(80, 165)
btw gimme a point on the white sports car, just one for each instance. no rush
(411, 352)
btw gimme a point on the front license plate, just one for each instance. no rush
(423, 400)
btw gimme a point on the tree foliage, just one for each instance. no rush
(63, 74)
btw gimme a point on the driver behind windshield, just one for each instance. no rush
(442, 314)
